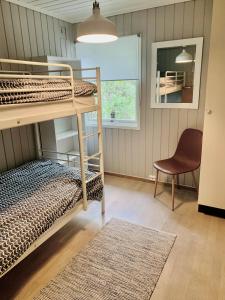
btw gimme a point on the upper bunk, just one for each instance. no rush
(30, 95)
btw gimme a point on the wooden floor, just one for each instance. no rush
(195, 269)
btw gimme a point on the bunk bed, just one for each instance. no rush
(171, 82)
(40, 197)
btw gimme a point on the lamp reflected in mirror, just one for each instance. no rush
(184, 57)
(175, 75)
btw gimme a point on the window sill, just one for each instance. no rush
(116, 125)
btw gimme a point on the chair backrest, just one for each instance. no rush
(189, 148)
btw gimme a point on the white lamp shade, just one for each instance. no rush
(96, 29)
(184, 57)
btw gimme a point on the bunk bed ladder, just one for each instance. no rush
(100, 137)
(84, 160)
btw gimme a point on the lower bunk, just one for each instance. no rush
(36, 200)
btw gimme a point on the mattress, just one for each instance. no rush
(167, 82)
(36, 93)
(32, 198)
(170, 89)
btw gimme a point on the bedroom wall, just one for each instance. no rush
(132, 152)
(23, 34)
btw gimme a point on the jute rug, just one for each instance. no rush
(123, 262)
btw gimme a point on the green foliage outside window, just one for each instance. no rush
(119, 100)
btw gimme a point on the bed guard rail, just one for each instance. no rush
(30, 74)
(71, 159)
(22, 69)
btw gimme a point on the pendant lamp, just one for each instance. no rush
(96, 29)
(184, 57)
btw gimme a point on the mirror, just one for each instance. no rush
(176, 72)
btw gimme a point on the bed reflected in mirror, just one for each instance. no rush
(176, 68)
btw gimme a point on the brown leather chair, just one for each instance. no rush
(187, 158)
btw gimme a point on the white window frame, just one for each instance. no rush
(126, 124)
(122, 124)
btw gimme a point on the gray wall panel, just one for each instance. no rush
(24, 34)
(131, 152)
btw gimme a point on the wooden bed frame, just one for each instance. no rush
(15, 115)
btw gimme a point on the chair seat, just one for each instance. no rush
(172, 166)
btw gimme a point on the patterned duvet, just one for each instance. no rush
(81, 89)
(32, 198)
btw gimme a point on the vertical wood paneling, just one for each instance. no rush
(159, 114)
(24, 34)
(151, 24)
(51, 35)
(9, 150)
(166, 113)
(3, 162)
(16, 142)
(39, 34)
(3, 48)
(17, 32)
(187, 32)
(44, 26)
(32, 33)
(56, 35)
(9, 30)
(63, 39)
(140, 26)
(133, 152)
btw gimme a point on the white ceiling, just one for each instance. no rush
(74, 11)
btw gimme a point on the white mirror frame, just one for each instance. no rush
(198, 42)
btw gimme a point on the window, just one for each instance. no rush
(120, 63)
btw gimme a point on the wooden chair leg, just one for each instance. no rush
(156, 182)
(195, 181)
(173, 191)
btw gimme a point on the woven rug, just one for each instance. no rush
(123, 262)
